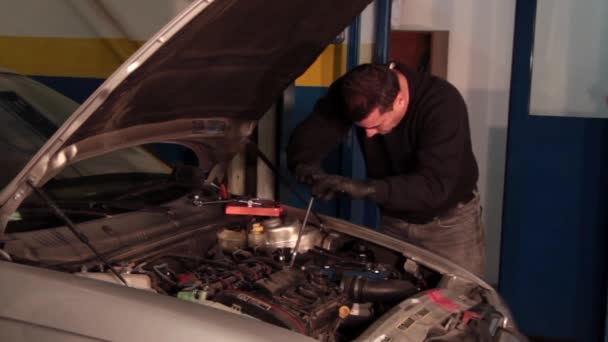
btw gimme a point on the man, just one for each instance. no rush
(414, 133)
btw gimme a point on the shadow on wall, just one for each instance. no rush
(488, 43)
(497, 146)
(489, 144)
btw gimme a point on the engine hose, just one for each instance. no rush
(378, 290)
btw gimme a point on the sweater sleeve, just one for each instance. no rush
(319, 133)
(443, 143)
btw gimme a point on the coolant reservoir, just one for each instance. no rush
(232, 240)
(139, 281)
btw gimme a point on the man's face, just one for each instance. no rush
(377, 122)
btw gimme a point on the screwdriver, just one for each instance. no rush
(295, 249)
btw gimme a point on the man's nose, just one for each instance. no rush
(371, 132)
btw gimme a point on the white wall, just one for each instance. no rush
(135, 19)
(368, 22)
(479, 65)
(77, 38)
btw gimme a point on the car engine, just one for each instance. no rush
(336, 288)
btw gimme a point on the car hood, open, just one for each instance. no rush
(206, 77)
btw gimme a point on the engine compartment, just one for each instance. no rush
(340, 287)
(337, 287)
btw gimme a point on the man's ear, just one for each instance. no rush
(399, 101)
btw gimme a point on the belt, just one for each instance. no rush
(452, 210)
(441, 215)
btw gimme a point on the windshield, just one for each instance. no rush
(30, 113)
(102, 186)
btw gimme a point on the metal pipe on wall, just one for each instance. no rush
(351, 210)
(383, 30)
(353, 164)
(354, 42)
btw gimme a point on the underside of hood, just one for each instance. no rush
(206, 77)
(232, 60)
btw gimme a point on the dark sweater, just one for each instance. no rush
(422, 168)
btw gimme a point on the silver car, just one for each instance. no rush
(102, 241)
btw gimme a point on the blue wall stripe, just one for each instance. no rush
(553, 260)
(76, 88)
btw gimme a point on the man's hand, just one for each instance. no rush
(329, 186)
(309, 173)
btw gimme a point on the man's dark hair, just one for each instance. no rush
(366, 87)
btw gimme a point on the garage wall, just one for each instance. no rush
(72, 45)
(479, 65)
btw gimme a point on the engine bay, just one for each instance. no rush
(336, 289)
(333, 292)
(329, 281)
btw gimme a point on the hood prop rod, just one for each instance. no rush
(83, 238)
(282, 178)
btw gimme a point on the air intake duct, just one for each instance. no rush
(361, 289)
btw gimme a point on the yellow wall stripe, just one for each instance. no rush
(330, 65)
(99, 57)
(74, 57)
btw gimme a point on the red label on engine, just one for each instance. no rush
(446, 303)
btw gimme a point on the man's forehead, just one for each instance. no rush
(373, 119)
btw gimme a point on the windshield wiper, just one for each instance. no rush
(102, 207)
(92, 208)
(72, 227)
(183, 176)
(25, 210)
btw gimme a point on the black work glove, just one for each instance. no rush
(330, 186)
(309, 173)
